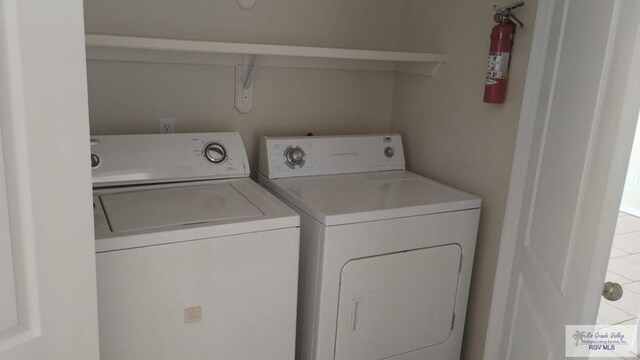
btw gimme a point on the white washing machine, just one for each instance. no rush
(386, 255)
(194, 260)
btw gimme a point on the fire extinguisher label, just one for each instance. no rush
(497, 67)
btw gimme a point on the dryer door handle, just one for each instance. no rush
(355, 317)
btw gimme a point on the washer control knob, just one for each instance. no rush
(294, 156)
(95, 161)
(214, 152)
(388, 152)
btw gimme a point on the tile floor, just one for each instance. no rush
(624, 268)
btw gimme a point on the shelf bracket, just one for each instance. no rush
(245, 75)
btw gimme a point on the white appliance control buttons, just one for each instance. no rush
(215, 152)
(294, 156)
(388, 152)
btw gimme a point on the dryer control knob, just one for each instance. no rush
(214, 152)
(388, 152)
(294, 156)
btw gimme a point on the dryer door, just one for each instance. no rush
(397, 303)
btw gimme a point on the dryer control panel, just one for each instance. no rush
(324, 155)
(157, 158)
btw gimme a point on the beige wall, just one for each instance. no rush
(451, 135)
(131, 97)
(338, 23)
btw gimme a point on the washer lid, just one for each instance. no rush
(149, 215)
(168, 207)
(353, 198)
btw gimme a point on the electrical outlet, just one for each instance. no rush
(166, 126)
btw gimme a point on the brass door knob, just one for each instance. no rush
(612, 291)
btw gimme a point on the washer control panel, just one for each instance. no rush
(322, 155)
(131, 159)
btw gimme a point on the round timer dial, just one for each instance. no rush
(388, 152)
(294, 156)
(215, 152)
(95, 161)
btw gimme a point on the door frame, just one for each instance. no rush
(628, 109)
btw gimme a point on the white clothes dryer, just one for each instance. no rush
(194, 260)
(386, 255)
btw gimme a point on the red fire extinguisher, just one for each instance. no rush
(495, 85)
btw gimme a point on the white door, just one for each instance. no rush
(397, 303)
(47, 263)
(576, 129)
